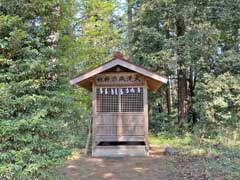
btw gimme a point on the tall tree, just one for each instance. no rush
(181, 72)
(175, 37)
(130, 26)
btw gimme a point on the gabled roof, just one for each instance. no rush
(152, 77)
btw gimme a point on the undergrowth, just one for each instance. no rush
(217, 155)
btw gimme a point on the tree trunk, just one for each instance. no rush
(168, 90)
(239, 40)
(192, 83)
(168, 98)
(130, 28)
(182, 80)
(182, 97)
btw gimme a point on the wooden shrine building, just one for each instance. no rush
(120, 106)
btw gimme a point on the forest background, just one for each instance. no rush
(44, 43)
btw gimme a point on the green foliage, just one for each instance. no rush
(34, 96)
(79, 117)
(219, 110)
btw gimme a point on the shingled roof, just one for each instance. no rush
(85, 79)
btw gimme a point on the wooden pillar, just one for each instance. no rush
(145, 101)
(119, 117)
(94, 106)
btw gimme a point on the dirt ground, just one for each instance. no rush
(155, 167)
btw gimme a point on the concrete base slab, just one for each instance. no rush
(119, 151)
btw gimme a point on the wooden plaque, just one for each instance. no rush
(112, 79)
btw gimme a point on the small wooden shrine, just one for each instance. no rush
(120, 106)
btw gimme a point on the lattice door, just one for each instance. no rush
(111, 99)
(107, 101)
(132, 101)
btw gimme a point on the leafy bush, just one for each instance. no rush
(217, 103)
